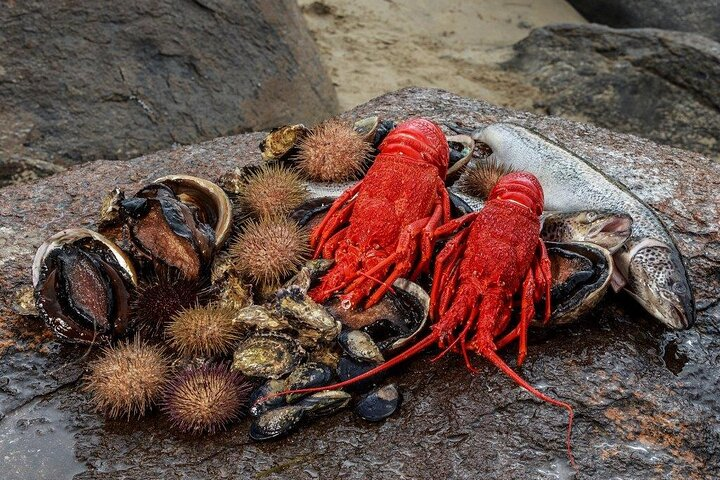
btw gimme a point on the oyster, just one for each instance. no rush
(304, 314)
(82, 283)
(281, 143)
(581, 275)
(360, 346)
(267, 355)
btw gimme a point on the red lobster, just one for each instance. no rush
(477, 277)
(383, 220)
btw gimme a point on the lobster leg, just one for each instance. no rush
(331, 244)
(405, 251)
(454, 224)
(546, 279)
(427, 239)
(339, 202)
(332, 227)
(527, 313)
(445, 266)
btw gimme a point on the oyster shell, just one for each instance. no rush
(82, 283)
(267, 355)
(281, 143)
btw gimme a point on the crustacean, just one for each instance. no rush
(381, 228)
(480, 273)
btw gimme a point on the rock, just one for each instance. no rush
(645, 399)
(90, 80)
(661, 85)
(696, 16)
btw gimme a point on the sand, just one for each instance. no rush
(371, 47)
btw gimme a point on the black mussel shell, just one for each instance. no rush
(461, 150)
(360, 346)
(348, 368)
(266, 392)
(276, 423)
(325, 403)
(379, 404)
(307, 375)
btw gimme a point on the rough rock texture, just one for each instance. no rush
(661, 85)
(696, 16)
(646, 400)
(83, 80)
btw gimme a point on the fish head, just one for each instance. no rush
(607, 229)
(657, 279)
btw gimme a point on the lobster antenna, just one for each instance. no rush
(415, 349)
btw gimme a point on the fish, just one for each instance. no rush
(649, 266)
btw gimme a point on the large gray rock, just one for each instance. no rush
(646, 400)
(661, 85)
(82, 80)
(697, 16)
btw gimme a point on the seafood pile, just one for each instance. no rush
(288, 289)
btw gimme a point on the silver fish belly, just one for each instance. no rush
(649, 262)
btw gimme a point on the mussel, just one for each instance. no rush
(82, 284)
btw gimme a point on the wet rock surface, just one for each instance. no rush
(658, 84)
(696, 16)
(114, 80)
(646, 400)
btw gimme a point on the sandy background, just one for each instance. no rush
(371, 47)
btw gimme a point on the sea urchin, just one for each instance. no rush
(128, 379)
(480, 179)
(203, 331)
(157, 301)
(272, 190)
(333, 152)
(206, 399)
(269, 250)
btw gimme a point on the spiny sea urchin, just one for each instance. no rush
(272, 190)
(203, 331)
(269, 250)
(332, 152)
(158, 300)
(480, 179)
(128, 379)
(206, 399)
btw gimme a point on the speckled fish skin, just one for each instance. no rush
(649, 261)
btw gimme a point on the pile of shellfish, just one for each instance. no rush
(196, 292)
